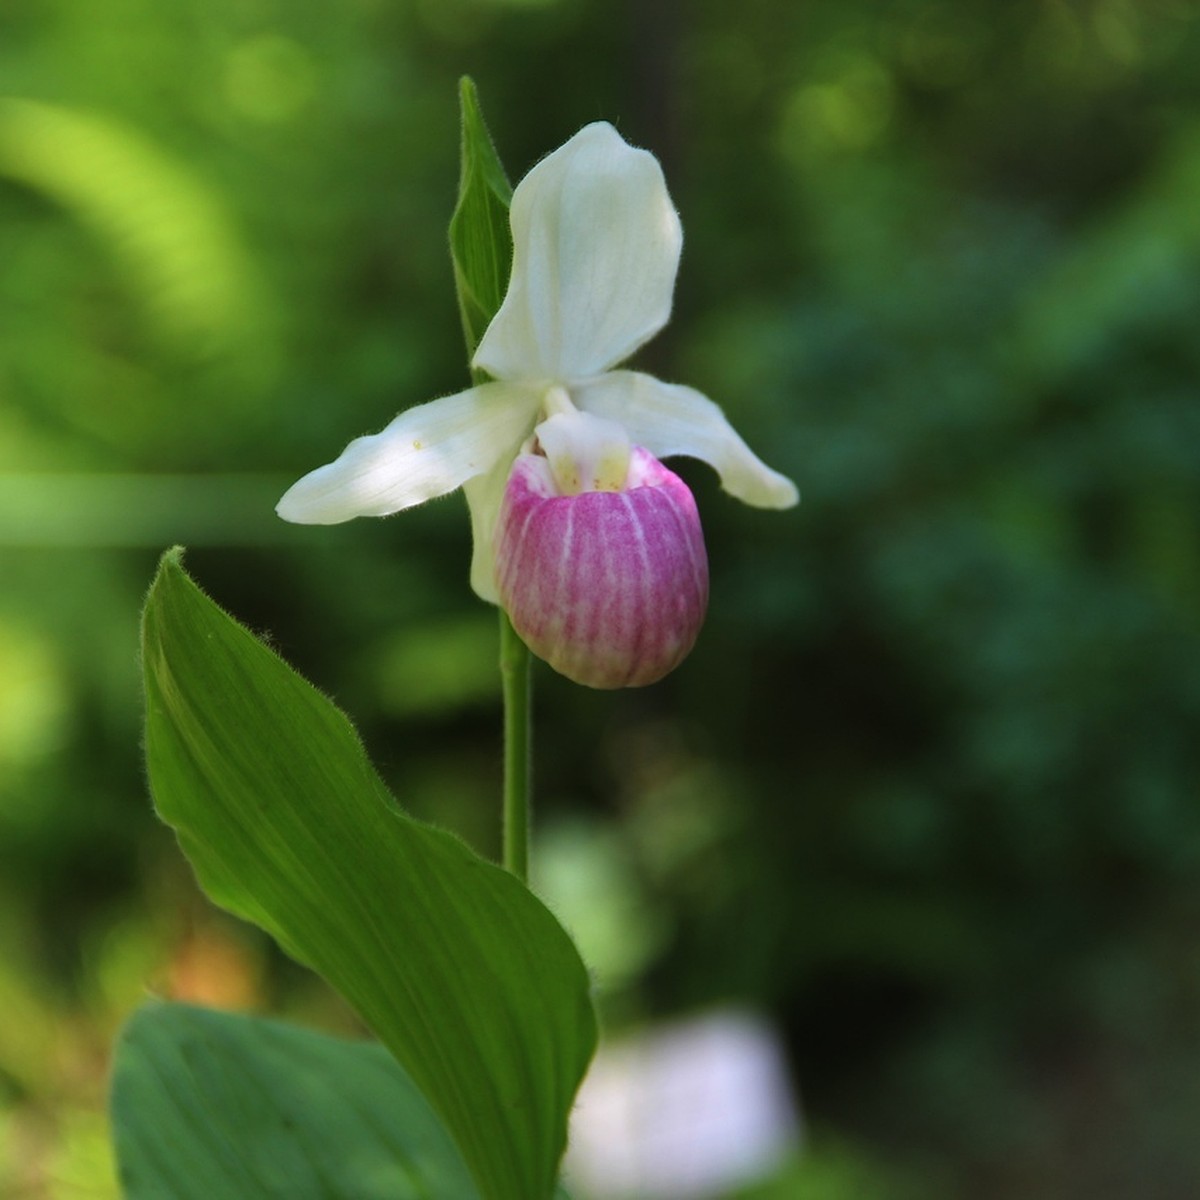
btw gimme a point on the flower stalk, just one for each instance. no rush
(518, 728)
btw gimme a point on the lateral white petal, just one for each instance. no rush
(596, 243)
(484, 494)
(667, 419)
(425, 452)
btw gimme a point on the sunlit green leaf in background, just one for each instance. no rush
(460, 970)
(56, 508)
(210, 1104)
(167, 229)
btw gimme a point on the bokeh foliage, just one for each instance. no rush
(926, 790)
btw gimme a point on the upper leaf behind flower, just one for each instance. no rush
(480, 241)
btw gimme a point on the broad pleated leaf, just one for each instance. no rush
(462, 973)
(209, 1105)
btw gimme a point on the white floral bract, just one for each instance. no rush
(596, 243)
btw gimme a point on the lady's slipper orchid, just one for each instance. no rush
(592, 546)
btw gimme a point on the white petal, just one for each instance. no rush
(485, 493)
(669, 419)
(596, 245)
(426, 451)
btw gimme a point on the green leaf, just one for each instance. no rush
(170, 231)
(480, 238)
(463, 974)
(209, 1104)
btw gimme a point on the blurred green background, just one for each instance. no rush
(925, 793)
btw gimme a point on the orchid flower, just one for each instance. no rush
(591, 545)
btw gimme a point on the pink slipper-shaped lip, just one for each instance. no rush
(609, 587)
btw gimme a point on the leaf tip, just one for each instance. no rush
(172, 558)
(468, 94)
(170, 564)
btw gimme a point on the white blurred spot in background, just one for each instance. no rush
(684, 1111)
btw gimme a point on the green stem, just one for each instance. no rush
(514, 677)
